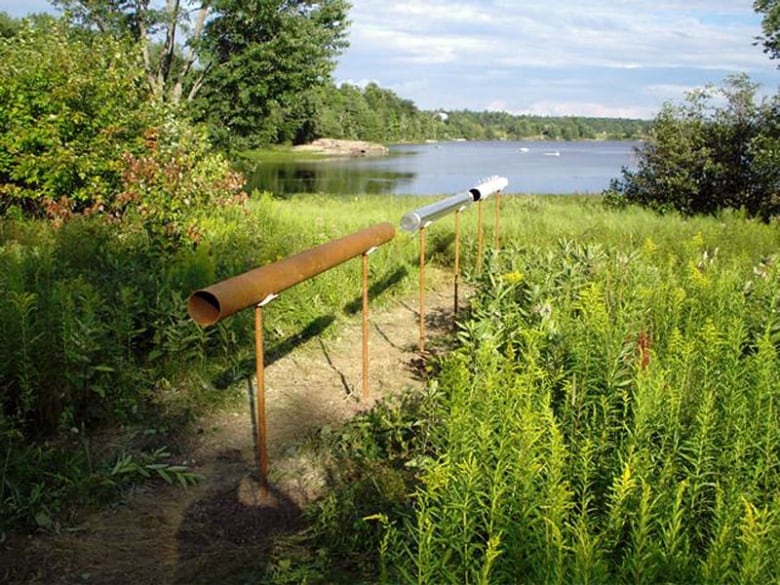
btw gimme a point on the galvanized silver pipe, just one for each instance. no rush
(414, 220)
(418, 218)
(489, 186)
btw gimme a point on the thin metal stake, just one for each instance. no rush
(479, 237)
(457, 258)
(365, 325)
(497, 242)
(262, 455)
(422, 289)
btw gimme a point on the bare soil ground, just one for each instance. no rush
(210, 532)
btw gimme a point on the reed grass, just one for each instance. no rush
(610, 415)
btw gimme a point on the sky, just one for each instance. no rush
(614, 58)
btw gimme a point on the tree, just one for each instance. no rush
(265, 57)
(701, 156)
(246, 63)
(770, 26)
(8, 25)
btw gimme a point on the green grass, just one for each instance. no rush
(609, 415)
(278, 154)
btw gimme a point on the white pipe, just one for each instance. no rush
(418, 218)
(489, 186)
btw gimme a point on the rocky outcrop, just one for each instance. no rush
(335, 147)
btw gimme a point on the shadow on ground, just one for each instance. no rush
(246, 368)
(227, 536)
(376, 289)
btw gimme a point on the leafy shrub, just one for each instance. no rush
(703, 156)
(609, 418)
(69, 107)
(165, 190)
(80, 133)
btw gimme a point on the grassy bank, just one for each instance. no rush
(95, 335)
(595, 423)
(609, 415)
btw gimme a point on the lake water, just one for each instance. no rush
(451, 167)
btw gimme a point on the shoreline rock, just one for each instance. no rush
(336, 147)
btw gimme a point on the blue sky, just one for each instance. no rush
(553, 57)
(549, 57)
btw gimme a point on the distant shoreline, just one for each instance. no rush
(337, 147)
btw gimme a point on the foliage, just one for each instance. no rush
(39, 483)
(770, 25)
(79, 135)
(505, 126)
(371, 113)
(69, 107)
(379, 115)
(94, 330)
(180, 178)
(8, 25)
(702, 156)
(266, 58)
(597, 423)
(245, 68)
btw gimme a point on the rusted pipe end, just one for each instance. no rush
(204, 308)
(210, 305)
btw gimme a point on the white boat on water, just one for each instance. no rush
(524, 149)
(553, 153)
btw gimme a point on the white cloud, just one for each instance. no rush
(442, 12)
(574, 108)
(616, 57)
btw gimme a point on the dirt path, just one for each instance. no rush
(166, 534)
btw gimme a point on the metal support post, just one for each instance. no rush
(479, 237)
(262, 453)
(497, 240)
(457, 258)
(365, 322)
(422, 288)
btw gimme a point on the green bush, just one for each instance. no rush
(704, 156)
(69, 107)
(81, 133)
(609, 418)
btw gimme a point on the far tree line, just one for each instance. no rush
(379, 115)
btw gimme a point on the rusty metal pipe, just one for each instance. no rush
(212, 304)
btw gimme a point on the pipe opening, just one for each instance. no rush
(475, 194)
(204, 308)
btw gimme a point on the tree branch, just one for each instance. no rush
(166, 59)
(143, 33)
(191, 57)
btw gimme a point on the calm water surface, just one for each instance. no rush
(449, 167)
